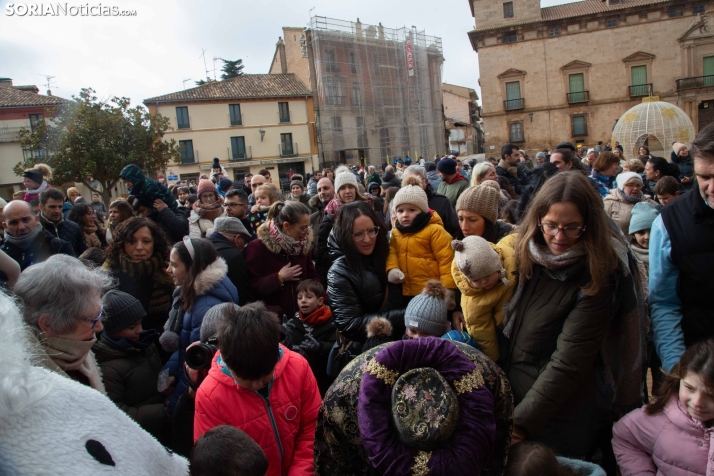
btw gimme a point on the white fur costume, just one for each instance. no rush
(52, 425)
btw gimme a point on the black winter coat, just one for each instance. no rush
(356, 299)
(441, 205)
(552, 356)
(68, 231)
(390, 180)
(516, 182)
(44, 246)
(326, 335)
(237, 271)
(173, 223)
(130, 377)
(536, 180)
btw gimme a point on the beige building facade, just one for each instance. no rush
(570, 71)
(462, 113)
(249, 123)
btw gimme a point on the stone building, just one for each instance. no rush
(249, 122)
(462, 114)
(20, 107)
(377, 90)
(568, 72)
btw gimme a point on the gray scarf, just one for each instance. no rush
(541, 255)
(630, 199)
(24, 242)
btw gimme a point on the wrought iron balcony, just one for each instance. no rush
(579, 97)
(640, 90)
(695, 82)
(514, 104)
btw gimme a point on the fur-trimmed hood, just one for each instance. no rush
(273, 246)
(210, 276)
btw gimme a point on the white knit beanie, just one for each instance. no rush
(625, 177)
(412, 193)
(476, 259)
(345, 178)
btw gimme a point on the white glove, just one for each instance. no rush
(395, 276)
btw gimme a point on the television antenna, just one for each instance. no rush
(184, 82)
(203, 55)
(215, 58)
(49, 82)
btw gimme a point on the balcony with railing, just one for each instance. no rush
(696, 82)
(10, 134)
(640, 90)
(514, 104)
(288, 150)
(284, 116)
(240, 154)
(578, 97)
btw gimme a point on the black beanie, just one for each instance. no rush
(34, 175)
(216, 164)
(121, 311)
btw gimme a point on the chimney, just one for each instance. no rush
(5, 83)
(49, 92)
(283, 56)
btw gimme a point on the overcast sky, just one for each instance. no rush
(153, 52)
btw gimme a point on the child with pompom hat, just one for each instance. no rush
(485, 274)
(419, 247)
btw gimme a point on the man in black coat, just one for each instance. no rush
(229, 238)
(389, 179)
(508, 167)
(25, 240)
(51, 219)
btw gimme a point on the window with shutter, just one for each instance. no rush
(639, 81)
(234, 110)
(708, 71)
(238, 148)
(186, 150)
(577, 88)
(182, 118)
(513, 95)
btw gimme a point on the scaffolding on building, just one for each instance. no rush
(377, 92)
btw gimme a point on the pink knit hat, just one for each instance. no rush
(205, 185)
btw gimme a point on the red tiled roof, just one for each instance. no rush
(242, 87)
(13, 97)
(577, 9)
(588, 7)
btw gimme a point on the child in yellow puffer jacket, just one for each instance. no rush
(419, 247)
(486, 275)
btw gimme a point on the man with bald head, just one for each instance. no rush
(325, 193)
(255, 182)
(25, 240)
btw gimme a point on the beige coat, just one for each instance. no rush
(620, 209)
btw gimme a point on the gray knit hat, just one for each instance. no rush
(476, 259)
(481, 200)
(211, 318)
(412, 193)
(345, 178)
(121, 310)
(229, 225)
(643, 215)
(427, 311)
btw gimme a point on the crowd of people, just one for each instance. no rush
(511, 317)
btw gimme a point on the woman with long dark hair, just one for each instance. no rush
(119, 211)
(137, 258)
(201, 283)
(94, 233)
(357, 280)
(575, 322)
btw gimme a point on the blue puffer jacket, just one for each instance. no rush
(213, 287)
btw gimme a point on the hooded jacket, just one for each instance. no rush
(424, 255)
(620, 209)
(441, 205)
(389, 180)
(237, 272)
(434, 179)
(668, 443)
(147, 188)
(536, 179)
(483, 309)
(264, 260)
(212, 287)
(130, 375)
(283, 424)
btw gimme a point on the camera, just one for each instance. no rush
(200, 356)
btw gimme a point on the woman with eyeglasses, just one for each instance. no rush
(281, 257)
(357, 280)
(574, 328)
(64, 319)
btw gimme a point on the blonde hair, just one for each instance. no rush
(480, 170)
(44, 169)
(271, 191)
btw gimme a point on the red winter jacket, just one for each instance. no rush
(294, 402)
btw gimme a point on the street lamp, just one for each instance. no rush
(262, 133)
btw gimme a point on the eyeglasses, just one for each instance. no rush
(306, 228)
(96, 319)
(368, 234)
(233, 204)
(568, 231)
